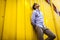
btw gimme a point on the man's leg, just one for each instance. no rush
(50, 35)
(39, 33)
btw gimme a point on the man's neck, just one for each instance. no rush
(37, 10)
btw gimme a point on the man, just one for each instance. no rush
(38, 22)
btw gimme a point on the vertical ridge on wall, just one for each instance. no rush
(25, 21)
(16, 22)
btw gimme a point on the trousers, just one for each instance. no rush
(41, 31)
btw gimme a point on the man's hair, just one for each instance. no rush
(34, 6)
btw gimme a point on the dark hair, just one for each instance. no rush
(34, 6)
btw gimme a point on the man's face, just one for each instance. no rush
(37, 6)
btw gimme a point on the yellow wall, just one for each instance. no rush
(15, 19)
(2, 12)
(57, 18)
(20, 20)
(10, 24)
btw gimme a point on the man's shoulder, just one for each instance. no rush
(34, 11)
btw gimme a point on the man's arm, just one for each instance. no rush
(33, 18)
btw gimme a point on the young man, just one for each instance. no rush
(38, 22)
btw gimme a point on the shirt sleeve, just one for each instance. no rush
(33, 18)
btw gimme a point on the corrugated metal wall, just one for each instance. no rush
(15, 19)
